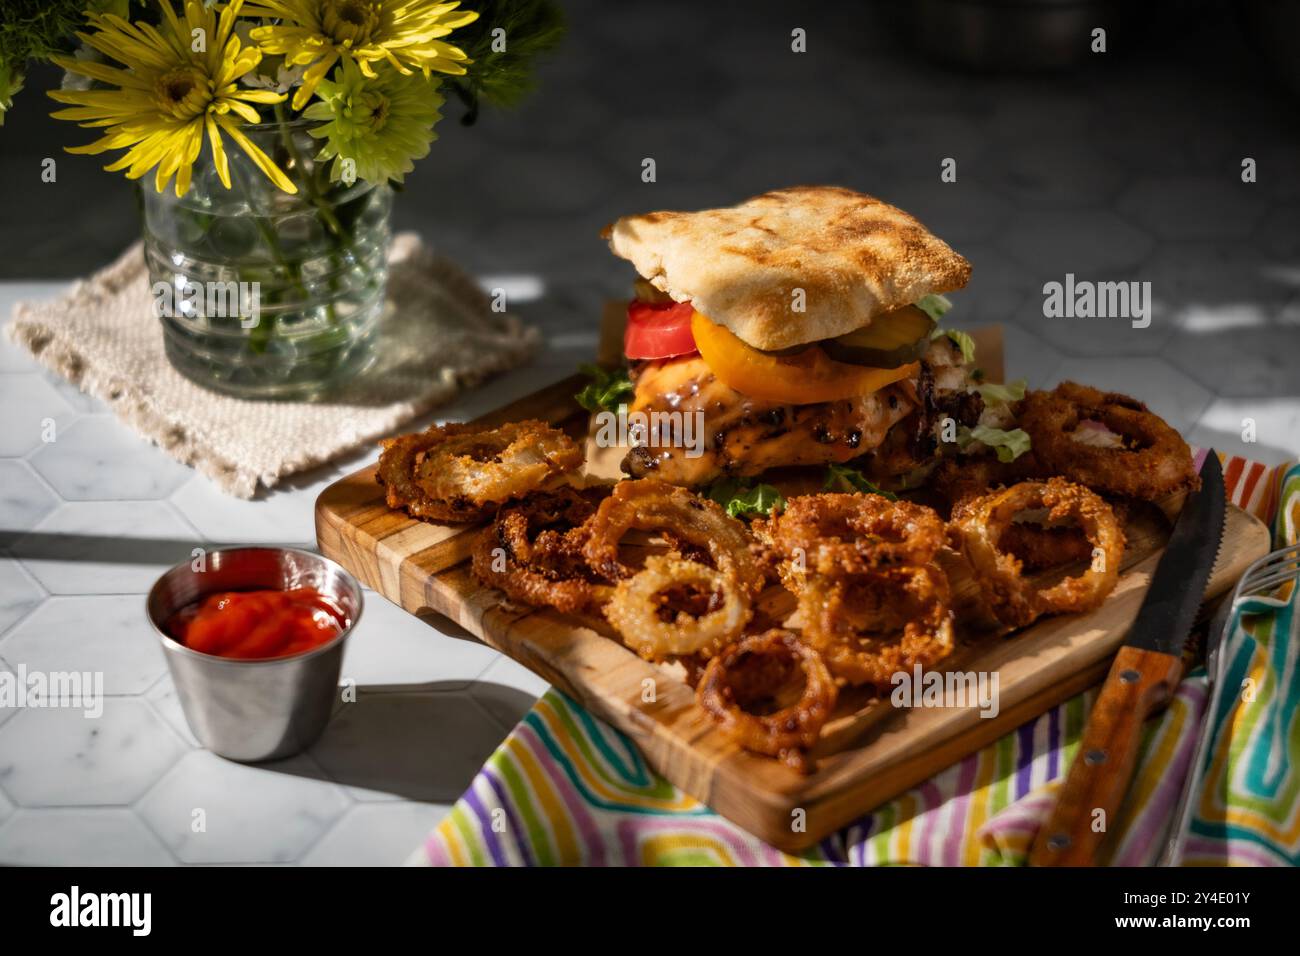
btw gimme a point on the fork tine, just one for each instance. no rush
(1272, 563)
(1274, 567)
(1290, 552)
(1271, 581)
(1280, 560)
(1269, 575)
(1281, 554)
(1285, 549)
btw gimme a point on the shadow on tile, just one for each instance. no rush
(101, 549)
(446, 627)
(419, 742)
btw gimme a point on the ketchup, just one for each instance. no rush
(254, 625)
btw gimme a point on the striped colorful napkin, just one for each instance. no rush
(1247, 809)
(567, 789)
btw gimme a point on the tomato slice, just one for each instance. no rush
(799, 379)
(658, 331)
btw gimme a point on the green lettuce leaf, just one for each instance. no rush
(995, 394)
(846, 479)
(935, 306)
(742, 501)
(1008, 444)
(961, 340)
(607, 389)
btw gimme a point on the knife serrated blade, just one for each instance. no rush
(1178, 585)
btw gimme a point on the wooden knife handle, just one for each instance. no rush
(1139, 682)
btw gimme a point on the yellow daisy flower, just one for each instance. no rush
(402, 33)
(169, 94)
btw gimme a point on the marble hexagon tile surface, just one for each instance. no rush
(88, 520)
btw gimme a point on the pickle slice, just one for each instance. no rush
(893, 339)
(645, 292)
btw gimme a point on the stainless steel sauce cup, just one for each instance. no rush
(250, 710)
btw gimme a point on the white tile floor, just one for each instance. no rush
(87, 522)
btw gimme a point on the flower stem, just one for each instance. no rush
(308, 181)
(324, 208)
(265, 328)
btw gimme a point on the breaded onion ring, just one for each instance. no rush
(870, 626)
(1040, 547)
(649, 504)
(1151, 461)
(985, 521)
(849, 533)
(641, 609)
(748, 674)
(460, 472)
(533, 551)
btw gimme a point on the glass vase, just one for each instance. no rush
(263, 293)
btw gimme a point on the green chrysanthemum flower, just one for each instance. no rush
(375, 127)
(11, 84)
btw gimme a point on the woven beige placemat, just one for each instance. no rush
(440, 338)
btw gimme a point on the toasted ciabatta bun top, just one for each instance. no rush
(853, 256)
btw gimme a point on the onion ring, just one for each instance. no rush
(849, 534)
(1152, 461)
(787, 733)
(533, 551)
(548, 522)
(657, 631)
(870, 626)
(649, 504)
(1040, 546)
(460, 472)
(1014, 600)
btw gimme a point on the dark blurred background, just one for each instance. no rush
(1117, 165)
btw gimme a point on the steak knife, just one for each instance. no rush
(1146, 671)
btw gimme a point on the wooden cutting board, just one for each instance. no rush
(869, 752)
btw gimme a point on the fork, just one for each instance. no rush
(1255, 594)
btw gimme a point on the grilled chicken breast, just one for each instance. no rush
(746, 436)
